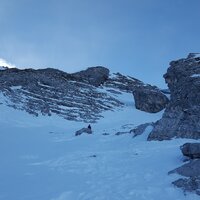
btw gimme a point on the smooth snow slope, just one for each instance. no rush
(41, 159)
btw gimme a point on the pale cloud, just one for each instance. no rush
(4, 63)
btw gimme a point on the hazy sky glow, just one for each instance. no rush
(4, 63)
(135, 37)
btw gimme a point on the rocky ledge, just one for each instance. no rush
(182, 115)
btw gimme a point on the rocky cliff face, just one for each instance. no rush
(80, 96)
(182, 115)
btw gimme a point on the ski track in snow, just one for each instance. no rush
(41, 159)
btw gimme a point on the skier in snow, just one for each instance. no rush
(89, 126)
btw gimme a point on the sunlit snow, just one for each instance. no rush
(4, 63)
(195, 75)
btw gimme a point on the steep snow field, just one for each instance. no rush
(41, 159)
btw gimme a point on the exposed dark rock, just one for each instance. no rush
(191, 150)
(140, 129)
(105, 134)
(93, 156)
(83, 130)
(93, 75)
(121, 133)
(190, 170)
(182, 115)
(188, 184)
(149, 99)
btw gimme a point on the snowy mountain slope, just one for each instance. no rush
(81, 96)
(41, 159)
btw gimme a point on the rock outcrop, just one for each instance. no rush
(192, 150)
(149, 99)
(182, 115)
(190, 170)
(83, 130)
(191, 184)
(139, 130)
(93, 75)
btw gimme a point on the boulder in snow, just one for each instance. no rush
(189, 184)
(149, 99)
(191, 150)
(191, 171)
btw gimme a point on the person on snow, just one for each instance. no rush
(89, 127)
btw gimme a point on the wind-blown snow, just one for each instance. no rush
(41, 159)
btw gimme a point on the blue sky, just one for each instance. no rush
(135, 37)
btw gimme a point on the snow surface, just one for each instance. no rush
(44, 85)
(4, 63)
(16, 87)
(41, 159)
(2, 68)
